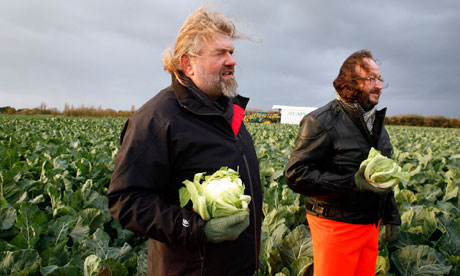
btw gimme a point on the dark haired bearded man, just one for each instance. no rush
(343, 210)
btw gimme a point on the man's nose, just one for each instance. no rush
(229, 60)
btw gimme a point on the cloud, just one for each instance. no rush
(108, 53)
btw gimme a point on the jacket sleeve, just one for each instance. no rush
(308, 172)
(137, 194)
(391, 213)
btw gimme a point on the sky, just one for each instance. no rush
(107, 53)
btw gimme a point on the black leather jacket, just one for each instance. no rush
(331, 144)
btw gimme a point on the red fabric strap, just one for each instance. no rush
(238, 114)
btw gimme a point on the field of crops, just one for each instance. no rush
(54, 173)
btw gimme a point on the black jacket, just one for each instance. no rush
(331, 144)
(173, 136)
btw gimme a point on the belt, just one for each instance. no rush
(324, 211)
(337, 213)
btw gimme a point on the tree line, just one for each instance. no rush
(69, 110)
(417, 120)
(91, 111)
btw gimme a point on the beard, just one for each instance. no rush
(214, 85)
(369, 99)
(229, 87)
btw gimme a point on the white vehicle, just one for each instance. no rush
(292, 114)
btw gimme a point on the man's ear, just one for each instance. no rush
(186, 64)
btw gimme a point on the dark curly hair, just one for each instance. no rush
(346, 83)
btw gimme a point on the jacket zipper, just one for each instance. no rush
(201, 252)
(254, 216)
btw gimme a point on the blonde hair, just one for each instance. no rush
(200, 26)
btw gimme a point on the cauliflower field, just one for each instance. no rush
(54, 173)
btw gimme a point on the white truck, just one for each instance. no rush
(292, 114)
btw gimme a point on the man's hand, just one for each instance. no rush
(226, 228)
(391, 232)
(363, 185)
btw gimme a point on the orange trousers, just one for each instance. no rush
(343, 249)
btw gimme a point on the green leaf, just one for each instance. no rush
(301, 265)
(381, 269)
(57, 255)
(60, 208)
(31, 223)
(5, 246)
(406, 238)
(59, 229)
(418, 219)
(451, 190)
(93, 217)
(7, 218)
(98, 244)
(142, 259)
(184, 196)
(120, 253)
(80, 231)
(273, 220)
(20, 262)
(420, 260)
(67, 270)
(93, 199)
(3, 202)
(449, 243)
(59, 163)
(283, 272)
(92, 265)
(405, 196)
(296, 244)
(273, 260)
(115, 267)
(430, 193)
(123, 235)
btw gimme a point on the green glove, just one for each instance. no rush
(391, 232)
(226, 228)
(363, 185)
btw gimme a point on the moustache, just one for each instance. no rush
(376, 91)
(227, 70)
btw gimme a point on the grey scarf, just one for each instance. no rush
(368, 116)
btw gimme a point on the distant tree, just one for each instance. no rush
(26, 111)
(3, 109)
(417, 120)
(54, 111)
(10, 111)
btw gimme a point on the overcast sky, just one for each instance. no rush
(108, 52)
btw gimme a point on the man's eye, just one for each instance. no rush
(222, 53)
